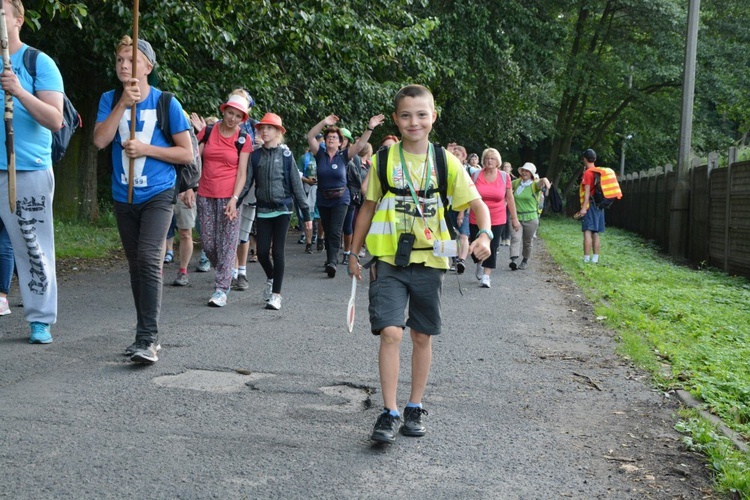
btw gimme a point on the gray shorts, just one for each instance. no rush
(184, 216)
(247, 217)
(393, 288)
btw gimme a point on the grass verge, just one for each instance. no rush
(78, 240)
(689, 328)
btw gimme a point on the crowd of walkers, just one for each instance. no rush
(400, 203)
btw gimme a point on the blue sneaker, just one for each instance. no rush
(40, 333)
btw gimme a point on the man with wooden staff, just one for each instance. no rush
(143, 224)
(38, 105)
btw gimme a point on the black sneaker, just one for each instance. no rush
(308, 248)
(345, 259)
(386, 428)
(320, 245)
(331, 270)
(460, 266)
(513, 266)
(145, 352)
(130, 350)
(413, 425)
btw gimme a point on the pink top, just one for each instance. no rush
(493, 195)
(220, 163)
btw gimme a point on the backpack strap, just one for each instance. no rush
(240, 143)
(206, 134)
(162, 115)
(29, 62)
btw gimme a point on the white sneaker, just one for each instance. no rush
(480, 271)
(485, 281)
(274, 302)
(268, 290)
(218, 299)
(4, 308)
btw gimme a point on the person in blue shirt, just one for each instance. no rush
(38, 106)
(333, 195)
(143, 224)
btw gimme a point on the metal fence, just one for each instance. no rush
(719, 213)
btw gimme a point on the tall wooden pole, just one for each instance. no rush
(133, 115)
(10, 147)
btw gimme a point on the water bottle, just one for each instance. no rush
(312, 170)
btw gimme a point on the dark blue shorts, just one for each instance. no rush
(593, 220)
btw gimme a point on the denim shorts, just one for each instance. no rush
(593, 220)
(393, 288)
(464, 227)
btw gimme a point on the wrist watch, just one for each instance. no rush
(488, 232)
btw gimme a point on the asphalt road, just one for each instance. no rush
(526, 399)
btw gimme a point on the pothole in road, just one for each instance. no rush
(211, 381)
(356, 398)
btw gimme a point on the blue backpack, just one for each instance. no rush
(71, 117)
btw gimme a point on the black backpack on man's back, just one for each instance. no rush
(71, 117)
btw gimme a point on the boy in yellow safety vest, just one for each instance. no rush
(402, 222)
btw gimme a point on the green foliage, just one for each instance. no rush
(689, 328)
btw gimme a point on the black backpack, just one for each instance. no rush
(441, 167)
(188, 174)
(71, 117)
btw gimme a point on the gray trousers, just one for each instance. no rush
(32, 235)
(525, 235)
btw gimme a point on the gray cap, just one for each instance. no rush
(147, 50)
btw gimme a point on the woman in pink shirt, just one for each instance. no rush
(494, 186)
(225, 149)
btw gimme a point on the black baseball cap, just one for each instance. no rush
(589, 154)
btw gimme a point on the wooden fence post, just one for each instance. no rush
(728, 214)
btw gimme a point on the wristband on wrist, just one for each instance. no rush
(235, 197)
(370, 129)
(487, 232)
(352, 254)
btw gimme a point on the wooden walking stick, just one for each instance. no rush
(10, 147)
(131, 166)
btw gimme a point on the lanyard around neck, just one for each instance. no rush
(427, 179)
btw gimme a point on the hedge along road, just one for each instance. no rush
(526, 399)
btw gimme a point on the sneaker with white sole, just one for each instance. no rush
(274, 302)
(218, 299)
(40, 333)
(523, 265)
(145, 352)
(204, 265)
(4, 307)
(268, 290)
(130, 350)
(181, 279)
(485, 283)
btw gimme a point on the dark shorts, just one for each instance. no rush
(593, 220)
(392, 289)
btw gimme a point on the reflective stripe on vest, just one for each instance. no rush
(382, 238)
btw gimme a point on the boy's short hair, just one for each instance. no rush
(18, 7)
(412, 91)
(143, 46)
